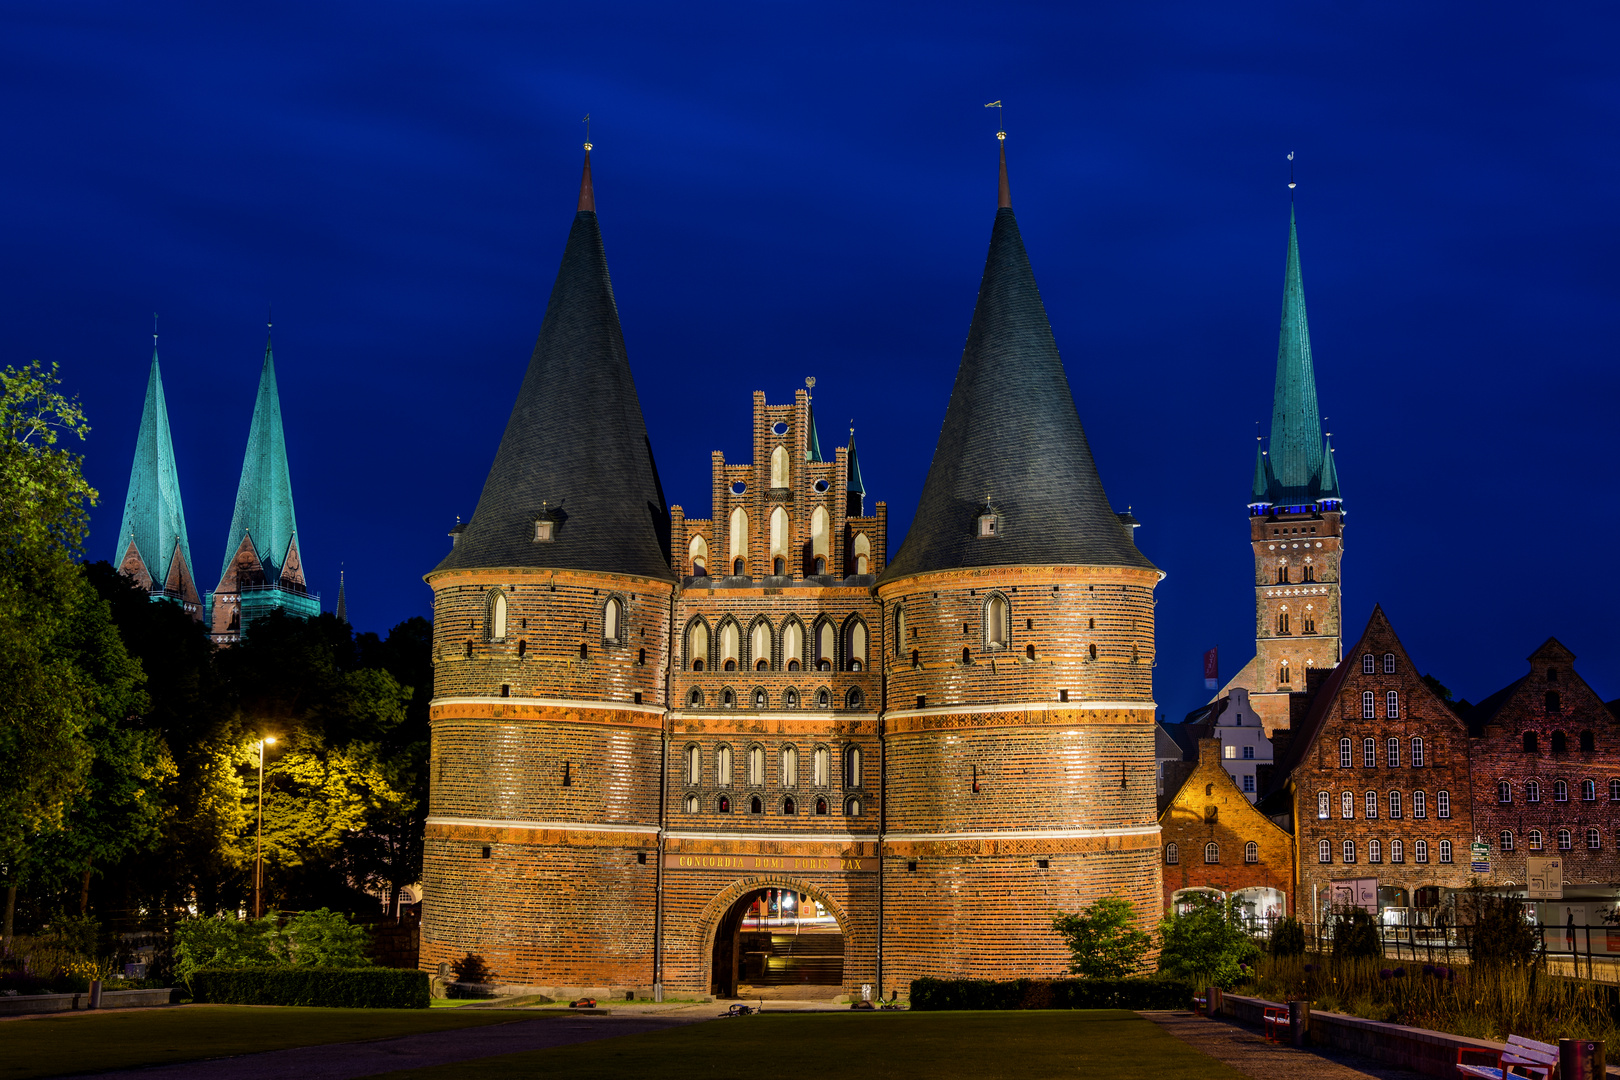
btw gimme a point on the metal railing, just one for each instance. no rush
(1588, 951)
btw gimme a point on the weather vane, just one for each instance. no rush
(154, 329)
(1001, 126)
(809, 385)
(1290, 171)
(587, 123)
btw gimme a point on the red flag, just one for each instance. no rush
(1212, 670)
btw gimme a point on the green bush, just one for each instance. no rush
(1287, 938)
(1501, 936)
(935, 995)
(1355, 934)
(331, 988)
(319, 938)
(1103, 940)
(1206, 943)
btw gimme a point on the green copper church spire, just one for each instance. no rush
(1296, 424)
(152, 544)
(264, 501)
(1260, 490)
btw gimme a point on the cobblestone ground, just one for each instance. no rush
(1248, 1052)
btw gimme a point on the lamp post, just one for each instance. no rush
(258, 844)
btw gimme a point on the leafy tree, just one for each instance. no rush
(1287, 937)
(1206, 942)
(1355, 934)
(1103, 940)
(1501, 935)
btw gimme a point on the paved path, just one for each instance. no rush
(344, 1061)
(1249, 1053)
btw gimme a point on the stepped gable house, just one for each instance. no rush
(716, 753)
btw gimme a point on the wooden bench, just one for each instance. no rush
(1276, 1023)
(1521, 1057)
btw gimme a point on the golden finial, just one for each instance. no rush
(1290, 172)
(1001, 126)
(587, 123)
(809, 385)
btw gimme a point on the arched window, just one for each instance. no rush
(821, 767)
(722, 805)
(1324, 807)
(996, 622)
(1392, 704)
(1594, 840)
(1369, 753)
(1212, 852)
(824, 645)
(1282, 672)
(1392, 750)
(819, 551)
(722, 766)
(1588, 742)
(790, 699)
(916, 659)
(779, 467)
(1344, 753)
(823, 699)
(1372, 804)
(1347, 805)
(789, 807)
(613, 621)
(1375, 851)
(756, 766)
(1420, 851)
(1442, 804)
(1029, 651)
(1417, 753)
(1172, 854)
(1588, 791)
(694, 765)
(756, 805)
(1560, 791)
(821, 807)
(495, 617)
(852, 807)
(1564, 841)
(852, 767)
(759, 645)
(1553, 704)
(730, 639)
(862, 553)
(1349, 851)
(695, 698)
(900, 630)
(1614, 790)
(1369, 705)
(697, 646)
(690, 804)
(1560, 744)
(1504, 840)
(728, 700)
(1394, 804)
(1389, 663)
(793, 645)
(1535, 839)
(855, 646)
(779, 540)
(1251, 852)
(1532, 791)
(1397, 851)
(790, 766)
(1282, 621)
(1420, 804)
(1368, 665)
(1504, 791)
(1092, 651)
(1529, 742)
(739, 539)
(698, 551)
(854, 699)
(1324, 851)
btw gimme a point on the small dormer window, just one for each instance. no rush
(544, 530)
(987, 523)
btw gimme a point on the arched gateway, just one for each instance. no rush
(780, 936)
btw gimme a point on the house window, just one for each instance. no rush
(821, 767)
(1529, 742)
(722, 766)
(1367, 664)
(1564, 840)
(1248, 783)
(1392, 748)
(854, 699)
(987, 524)
(790, 766)
(1251, 852)
(1535, 839)
(1588, 742)
(823, 699)
(1282, 574)
(1375, 851)
(1349, 851)
(1323, 807)
(759, 699)
(825, 642)
(722, 805)
(694, 700)
(1420, 805)
(690, 804)
(1389, 663)
(1369, 707)
(1369, 753)
(1228, 751)
(1392, 704)
(756, 805)
(1212, 852)
(899, 631)
(1420, 851)
(1559, 743)
(1614, 790)
(1532, 791)
(756, 766)
(1324, 852)
(1397, 851)
(1504, 842)
(1445, 851)
(1552, 702)
(1248, 751)
(542, 531)
(1347, 805)
(1372, 804)
(1442, 804)
(759, 645)
(1504, 792)
(728, 700)
(1417, 753)
(1594, 840)
(495, 623)
(613, 621)
(1394, 804)
(1588, 791)
(789, 807)
(995, 623)
(1560, 791)
(1172, 854)
(852, 767)
(694, 766)
(1344, 753)
(821, 807)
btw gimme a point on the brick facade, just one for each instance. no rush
(1297, 605)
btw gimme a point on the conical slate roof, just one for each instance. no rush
(576, 446)
(154, 518)
(1012, 440)
(264, 500)
(855, 484)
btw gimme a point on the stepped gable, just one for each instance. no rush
(1012, 440)
(264, 501)
(154, 519)
(576, 446)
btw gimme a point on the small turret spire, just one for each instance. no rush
(1004, 195)
(343, 602)
(587, 196)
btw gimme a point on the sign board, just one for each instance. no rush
(1354, 892)
(1544, 878)
(1479, 856)
(769, 864)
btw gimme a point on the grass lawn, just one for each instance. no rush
(1103, 1043)
(90, 1042)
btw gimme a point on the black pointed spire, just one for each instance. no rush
(575, 454)
(1012, 445)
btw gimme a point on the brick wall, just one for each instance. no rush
(1301, 545)
(1210, 808)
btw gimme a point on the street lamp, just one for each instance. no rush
(258, 855)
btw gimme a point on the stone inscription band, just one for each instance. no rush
(754, 864)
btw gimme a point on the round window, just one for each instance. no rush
(821, 485)
(738, 488)
(779, 428)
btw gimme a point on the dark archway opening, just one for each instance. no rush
(778, 943)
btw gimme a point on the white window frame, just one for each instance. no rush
(1369, 705)
(1324, 805)
(1212, 854)
(1172, 854)
(1504, 840)
(1445, 851)
(1394, 804)
(1420, 851)
(1324, 851)
(1392, 705)
(1345, 759)
(1417, 752)
(1420, 804)
(1349, 852)
(1442, 803)
(1375, 851)
(1368, 664)
(1372, 805)
(1397, 851)
(1392, 750)
(1369, 753)
(1594, 839)
(1389, 663)
(1251, 852)
(1347, 804)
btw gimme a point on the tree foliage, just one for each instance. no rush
(1287, 937)
(1206, 942)
(1103, 939)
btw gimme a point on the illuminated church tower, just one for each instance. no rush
(263, 571)
(1020, 716)
(1296, 524)
(152, 546)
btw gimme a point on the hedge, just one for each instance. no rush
(332, 988)
(940, 994)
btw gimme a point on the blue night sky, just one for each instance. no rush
(791, 190)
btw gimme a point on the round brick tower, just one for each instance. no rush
(551, 631)
(1019, 711)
